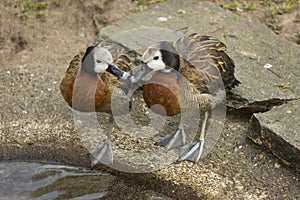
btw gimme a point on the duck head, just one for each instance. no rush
(161, 56)
(97, 60)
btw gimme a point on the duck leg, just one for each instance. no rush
(173, 140)
(193, 151)
(103, 153)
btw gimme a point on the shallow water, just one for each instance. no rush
(25, 180)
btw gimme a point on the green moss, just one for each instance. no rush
(249, 5)
(280, 6)
(24, 17)
(32, 5)
(242, 5)
(276, 28)
(181, 11)
(148, 2)
(233, 6)
(284, 7)
(274, 6)
(33, 8)
(137, 9)
(141, 2)
(42, 15)
(285, 85)
(143, 5)
(266, 3)
(60, 2)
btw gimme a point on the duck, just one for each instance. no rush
(209, 71)
(89, 82)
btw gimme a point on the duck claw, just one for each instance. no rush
(172, 140)
(102, 154)
(191, 152)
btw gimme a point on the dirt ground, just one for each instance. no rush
(37, 34)
(41, 32)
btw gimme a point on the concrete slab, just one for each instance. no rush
(253, 47)
(278, 130)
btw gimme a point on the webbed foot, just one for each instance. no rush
(172, 140)
(191, 152)
(102, 154)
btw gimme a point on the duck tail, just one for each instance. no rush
(229, 79)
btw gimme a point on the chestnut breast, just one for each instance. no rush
(88, 93)
(162, 89)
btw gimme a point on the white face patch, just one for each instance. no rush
(156, 65)
(97, 61)
(101, 59)
(100, 67)
(154, 60)
(103, 55)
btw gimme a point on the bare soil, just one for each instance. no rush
(36, 34)
(53, 35)
(281, 16)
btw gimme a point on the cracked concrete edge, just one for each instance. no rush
(237, 104)
(266, 131)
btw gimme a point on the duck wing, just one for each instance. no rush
(203, 62)
(67, 82)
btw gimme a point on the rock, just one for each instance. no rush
(278, 130)
(259, 54)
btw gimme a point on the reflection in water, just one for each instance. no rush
(22, 180)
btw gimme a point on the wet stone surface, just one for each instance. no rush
(49, 181)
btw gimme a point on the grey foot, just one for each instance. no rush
(102, 154)
(191, 152)
(172, 140)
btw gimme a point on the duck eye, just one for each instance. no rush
(98, 61)
(155, 58)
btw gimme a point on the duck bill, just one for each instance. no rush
(142, 73)
(116, 71)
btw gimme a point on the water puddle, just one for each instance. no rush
(25, 180)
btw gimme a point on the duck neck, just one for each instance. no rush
(85, 69)
(169, 55)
